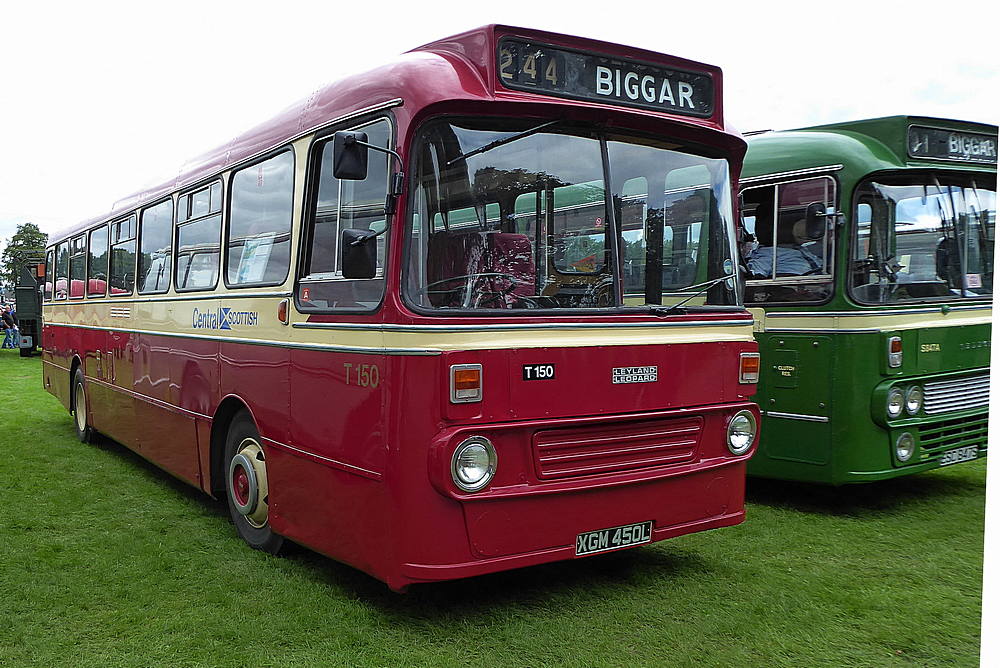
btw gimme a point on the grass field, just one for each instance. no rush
(106, 561)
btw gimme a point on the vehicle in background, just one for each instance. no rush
(871, 276)
(28, 303)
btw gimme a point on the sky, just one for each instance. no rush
(98, 99)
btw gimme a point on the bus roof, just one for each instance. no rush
(460, 67)
(869, 145)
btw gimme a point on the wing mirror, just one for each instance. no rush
(350, 155)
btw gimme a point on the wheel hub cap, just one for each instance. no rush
(248, 482)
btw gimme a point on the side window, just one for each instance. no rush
(337, 205)
(49, 260)
(198, 239)
(97, 265)
(259, 239)
(62, 270)
(789, 257)
(77, 266)
(155, 232)
(122, 278)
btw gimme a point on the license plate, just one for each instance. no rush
(614, 538)
(957, 455)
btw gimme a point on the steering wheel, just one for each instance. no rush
(470, 294)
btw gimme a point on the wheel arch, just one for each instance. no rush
(228, 409)
(77, 363)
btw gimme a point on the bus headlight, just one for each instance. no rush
(914, 399)
(741, 431)
(905, 446)
(894, 403)
(473, 464)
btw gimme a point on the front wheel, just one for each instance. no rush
(84, 431)
(246, 485)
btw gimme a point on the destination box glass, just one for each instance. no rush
(549, 70)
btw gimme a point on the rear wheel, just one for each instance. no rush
(246, 485)
(84, 431)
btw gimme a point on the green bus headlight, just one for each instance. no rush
(905, 446)
(894, 404)
(914, 399)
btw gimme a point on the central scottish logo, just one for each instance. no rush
(223, 317)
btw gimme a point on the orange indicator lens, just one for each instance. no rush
(466, 383)
(466, 379)
(749, 367)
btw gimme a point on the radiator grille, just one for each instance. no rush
(956, 433)
(565, 453)
(945, 396)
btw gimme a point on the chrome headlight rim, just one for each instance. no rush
(896, 393)
(491, 468)
(911, 449)
(914, 394)
(752, 430)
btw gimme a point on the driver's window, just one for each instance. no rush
(788, 245)
(336, 205)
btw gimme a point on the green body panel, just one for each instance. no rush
(828, 382)
(841, 377)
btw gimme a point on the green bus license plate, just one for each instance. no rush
(957, 455)
(614, 538)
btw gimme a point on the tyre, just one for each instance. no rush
(81, 420)
(245, 470)
(25, 352)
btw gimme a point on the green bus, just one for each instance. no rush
(868, 252)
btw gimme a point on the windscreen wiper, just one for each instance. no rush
(657, 310)
(500, 142)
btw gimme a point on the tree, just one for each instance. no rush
(28, 242)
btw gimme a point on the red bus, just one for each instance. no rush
(470, 311)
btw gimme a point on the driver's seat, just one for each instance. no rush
(511, 254)
(450, 255)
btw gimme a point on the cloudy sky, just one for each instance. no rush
(98, 99)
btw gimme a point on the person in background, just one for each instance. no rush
(790, 256)
(9, 328)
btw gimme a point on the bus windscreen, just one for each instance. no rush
(925, 237)
(564, 219)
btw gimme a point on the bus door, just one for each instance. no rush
(338, 392)
(789, 267)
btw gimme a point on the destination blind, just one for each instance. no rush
(560, 72)
(941, 144)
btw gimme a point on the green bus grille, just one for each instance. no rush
(940, 436)
(946, 396)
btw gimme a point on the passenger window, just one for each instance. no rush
(342, 204)
(62, 270)
(49, 257)
(260, 222)
(122, 278)
(199, 239)
(77, 267)
(155, 232)
(789, 256)
(97, 266)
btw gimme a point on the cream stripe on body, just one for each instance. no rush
(177, 318)
(868, 321)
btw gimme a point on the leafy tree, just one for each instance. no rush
(28, 242)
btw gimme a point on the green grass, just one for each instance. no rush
(106, 561)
